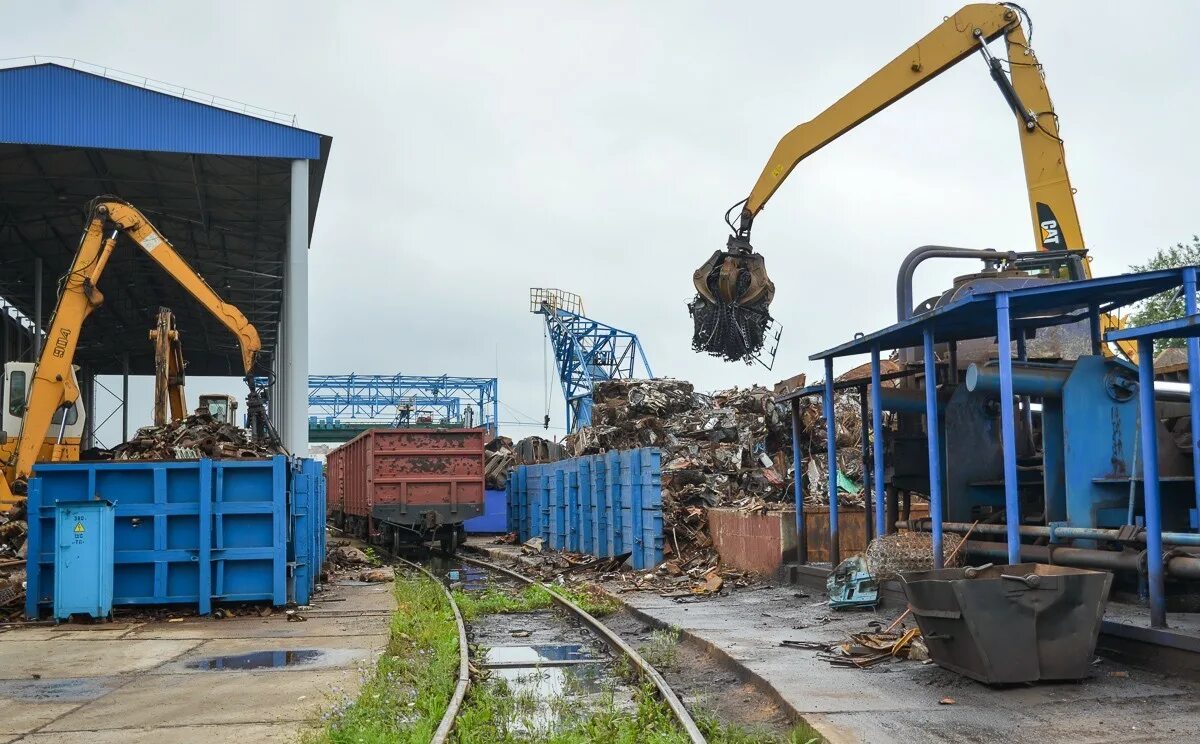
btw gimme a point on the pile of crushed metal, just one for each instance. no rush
(704, 574)
(13, 529)
(198, 435)
(501, 455)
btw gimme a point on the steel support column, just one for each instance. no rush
(798, 486)
(868, 474)
(1149, 433)
(125, 397)
(294, 369)
(835, 552)
(1193, 357)
(877, 443)
(935, 447)
(37, 309)
(1008, 436)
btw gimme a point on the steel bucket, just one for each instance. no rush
(1010, 624)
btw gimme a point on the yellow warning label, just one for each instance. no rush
(78, 527)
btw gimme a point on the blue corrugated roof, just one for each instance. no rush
(48, 104)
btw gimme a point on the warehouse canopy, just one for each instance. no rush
(215, 181)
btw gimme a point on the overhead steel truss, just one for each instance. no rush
(586, 351)
(403, 400)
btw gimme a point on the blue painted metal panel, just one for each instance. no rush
(602, 505)
(496, 517)
(83, 559)
(190, 532)
(53, 105)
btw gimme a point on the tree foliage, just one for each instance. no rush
(1168, 304)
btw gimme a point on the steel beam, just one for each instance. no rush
(1153, 504)
(877, 442)
(798, 486)
(935, 446)
(1193, 357)
(835, 552)
(1008, 435)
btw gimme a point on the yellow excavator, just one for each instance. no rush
(170, 399)
(51, 396)
(731, 310)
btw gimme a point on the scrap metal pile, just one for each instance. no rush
(198, 435)
(13, 530)
(501, 454)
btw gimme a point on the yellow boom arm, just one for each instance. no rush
(53, 385)
(1051, 199)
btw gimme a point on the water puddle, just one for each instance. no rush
(258, 660)
(457, 574)
(537, 655)
(70, 690)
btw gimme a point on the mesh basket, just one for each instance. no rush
(891, 555)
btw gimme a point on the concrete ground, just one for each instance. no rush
(168, 682)
(899, 702)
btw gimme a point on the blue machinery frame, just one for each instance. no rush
(383, 398)
(586, 351)
(999, 314)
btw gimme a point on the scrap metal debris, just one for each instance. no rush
(890, 555)
(13, 530)
(198, 435)
(867, 649)
(501, 455)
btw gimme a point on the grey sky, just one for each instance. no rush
(483, 148)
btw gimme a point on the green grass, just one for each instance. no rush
(592, 599)
(495, 599)
(662, 651)
(403, 699)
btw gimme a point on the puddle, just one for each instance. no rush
(259, 660)
(535, 655)
(71, 690)
(457, 574)
(547, 694)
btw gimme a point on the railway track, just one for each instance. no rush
(619, 649)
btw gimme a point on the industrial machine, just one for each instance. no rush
(223, 408)
(731, 310)
(586, 351)
(169, 399)
(51, 390)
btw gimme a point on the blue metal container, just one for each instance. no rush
(189, 532)
(603, 505)
(83, 559)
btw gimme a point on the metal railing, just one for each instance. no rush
(149, 83)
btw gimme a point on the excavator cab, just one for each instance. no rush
(66, 426)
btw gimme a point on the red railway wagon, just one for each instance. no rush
(397, 486)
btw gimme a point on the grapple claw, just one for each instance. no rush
(731, 309)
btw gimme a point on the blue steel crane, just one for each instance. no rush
(586, 351)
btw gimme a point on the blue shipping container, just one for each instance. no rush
(190, 532)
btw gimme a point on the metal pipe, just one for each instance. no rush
(877, 435)
(868, 473)
(1184, 539)
(1153, 504)
(1193, 357)
(908, 267)
(1184, 567)
(1012, 504)
(797, 488)
(835, 553)
(125, 397)
(935, 447)
(1027, 378)
(1094, 328)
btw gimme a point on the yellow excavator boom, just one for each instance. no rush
(732, 286)
(53, 385)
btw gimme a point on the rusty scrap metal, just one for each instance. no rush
(198, 435)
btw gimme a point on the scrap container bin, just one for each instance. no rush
(189, 532)
(409, 484)
(1010, 624)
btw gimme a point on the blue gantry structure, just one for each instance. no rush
(586, 351)
(342, 406)
(1086, 460)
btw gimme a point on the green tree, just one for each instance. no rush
(1168, 304)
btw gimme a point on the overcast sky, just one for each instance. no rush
(483, 148)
